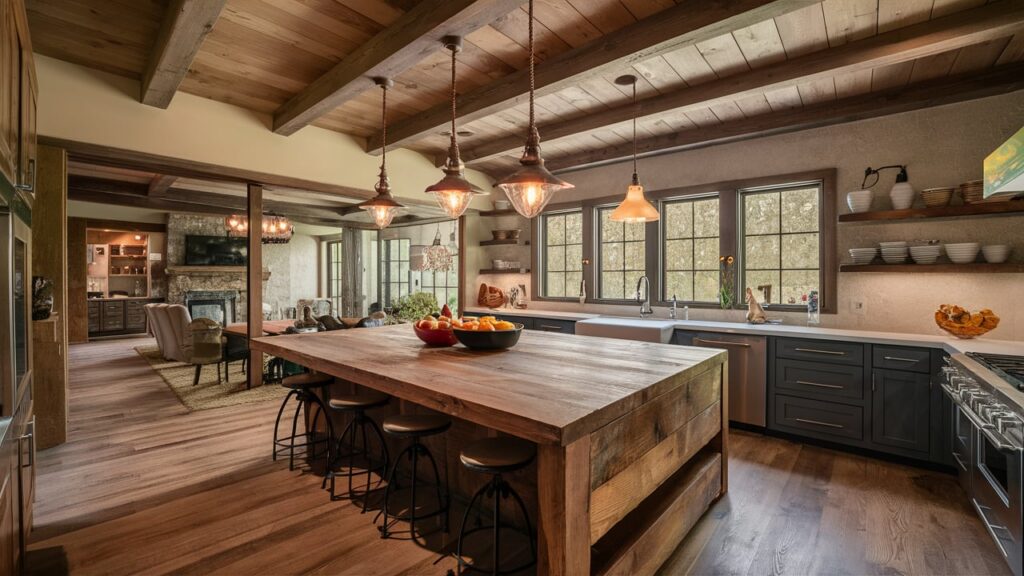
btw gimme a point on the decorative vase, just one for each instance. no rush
(859, 200)
(42, 298)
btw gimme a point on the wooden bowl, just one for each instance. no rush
(964, 324)
(435, 337)
(936, 197)
(497, 340)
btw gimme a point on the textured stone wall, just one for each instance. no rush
(292, 266)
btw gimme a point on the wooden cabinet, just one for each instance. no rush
(18, 95)
(121, 316)
(9, 544)
(900, 409)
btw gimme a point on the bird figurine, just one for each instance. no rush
(755, 314)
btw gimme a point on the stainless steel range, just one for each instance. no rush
(988, 442)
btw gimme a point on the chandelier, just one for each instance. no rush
(437, 257)
(275, 229)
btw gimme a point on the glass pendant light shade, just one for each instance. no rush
(453, 192)
(382, 207)
(635, 208)
(530, 188)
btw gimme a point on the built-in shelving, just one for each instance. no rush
(504, 270)
(936, 268)
(504, 242)
(979, 209)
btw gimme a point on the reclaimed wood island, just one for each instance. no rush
(631, 437)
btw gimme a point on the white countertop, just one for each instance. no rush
(948, 343)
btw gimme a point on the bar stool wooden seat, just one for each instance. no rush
(303, 388)
(357, 444)
(416, 427)
(496, 456)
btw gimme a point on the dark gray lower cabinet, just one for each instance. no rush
(543, 324)
(900, 411)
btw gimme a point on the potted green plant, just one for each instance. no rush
(414, 306)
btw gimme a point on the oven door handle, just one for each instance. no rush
(988, 430)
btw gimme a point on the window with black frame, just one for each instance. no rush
(691, 249)
(394, 270)
(334, 273)
(781, 244)
(622, 259)
(562, 245)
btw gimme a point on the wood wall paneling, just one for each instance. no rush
(78, 313)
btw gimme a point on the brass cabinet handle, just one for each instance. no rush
(819, 423)
(818, 384)
(723, 343)
(816, 351)
(898, 359)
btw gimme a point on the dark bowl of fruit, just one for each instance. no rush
(487, 333)
(435, 332)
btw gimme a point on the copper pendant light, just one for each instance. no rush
(382, 207)
(531, 187)
(635, 207)
(453, 192)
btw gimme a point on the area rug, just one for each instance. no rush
(208, 394)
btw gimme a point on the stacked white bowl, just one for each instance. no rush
(863, 255)
(894, 252)
(996, 253)
(963, 253)
(859, 200)
(926, 254)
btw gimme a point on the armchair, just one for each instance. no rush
(206, 347)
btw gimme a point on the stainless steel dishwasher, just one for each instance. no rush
(747, 373)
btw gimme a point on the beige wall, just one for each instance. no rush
(81, 104)
(941, 146)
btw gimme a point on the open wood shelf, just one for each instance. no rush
(980, 209)
(506, 212)
(984, 268)
(505, 271)
(503, 242)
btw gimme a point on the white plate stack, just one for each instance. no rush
(964, 253)
(862, 256)
(927, 254)
(894, 252)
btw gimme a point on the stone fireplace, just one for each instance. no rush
(217, 305)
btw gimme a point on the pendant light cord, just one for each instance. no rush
(532, 79)
(455, 143)
(634, 131)
(384, 128)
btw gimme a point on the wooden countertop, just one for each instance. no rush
(550, 388)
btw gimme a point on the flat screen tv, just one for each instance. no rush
(216, 251)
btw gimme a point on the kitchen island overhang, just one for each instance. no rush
(632, 437)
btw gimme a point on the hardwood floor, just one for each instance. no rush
(143, 486)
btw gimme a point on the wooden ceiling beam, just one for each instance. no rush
(160, 184)
(673, 28)
(406, 42)
(999, 80)
(185, 25)
(997, 20)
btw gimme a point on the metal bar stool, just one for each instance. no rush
(496, 456)
(303, 387)
(356, 406)
(416, 427)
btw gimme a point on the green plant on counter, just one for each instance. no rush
(416, 305)
(726, 282)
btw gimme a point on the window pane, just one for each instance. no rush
(762, 252)
(612, 285)
(622, 249)
(705, 254)
(761, 213)
(692, 243)
(562, 250)
(705, 218)
(572, 283)
(679, 220)
(611, 256)
(800, 210)
(800, 251)
(403, 249)
(679, 255)
(680, 285)
(705, 286)
(798, 283)
(635, 258)
(635, 231)
(762, 278)
(610, 231)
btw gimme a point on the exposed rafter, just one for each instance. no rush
(1000, 80)
(185, 25)
(673, 28)
(903, 45)
(160, 184)
(410, 39)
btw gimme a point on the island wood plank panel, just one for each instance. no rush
(560, 391)
(143, 486)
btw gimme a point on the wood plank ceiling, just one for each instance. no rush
(261, 53)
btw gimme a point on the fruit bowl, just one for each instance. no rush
(963, 324)
(438, 337)
(484, 340)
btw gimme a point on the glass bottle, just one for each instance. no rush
(813, 316)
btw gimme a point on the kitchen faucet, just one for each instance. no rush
(645, 299)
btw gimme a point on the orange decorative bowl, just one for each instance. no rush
(435, 337)
(964, 324)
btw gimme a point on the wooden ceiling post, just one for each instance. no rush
(410, 39)
(186, 24)
(254, 282)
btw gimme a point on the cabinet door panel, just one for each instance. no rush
(900, 411)
(10, 74)
(27, 135)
